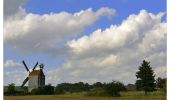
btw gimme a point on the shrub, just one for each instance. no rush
(38, 91)
(114, 88)
(11, 89)
(110, 89)
(47, 90)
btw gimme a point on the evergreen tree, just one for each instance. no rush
(145, 78)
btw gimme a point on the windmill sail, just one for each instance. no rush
(25, 66)
(35, 66)
(24, 82)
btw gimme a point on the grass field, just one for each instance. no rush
(134, 95)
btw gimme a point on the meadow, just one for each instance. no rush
(130, 95)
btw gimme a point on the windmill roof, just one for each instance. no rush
(36, 73)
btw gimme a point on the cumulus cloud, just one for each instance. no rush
(11, 63)
(144, 25)
(104, 55)
(34, 32)
(116, 52)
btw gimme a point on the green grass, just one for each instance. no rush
(130, 95)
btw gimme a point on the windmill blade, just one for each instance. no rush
(24, 82)
(25, 66)
(35, 66)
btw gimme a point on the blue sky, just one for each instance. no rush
(123, 7)
(57, 60)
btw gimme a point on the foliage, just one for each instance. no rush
(38, 91)
(98, 85)
(46, 90)
(114, 88)
(110, 89)
(131, 87)
(72, 87)
(11, 89)
(160, 82)
(145, 78)
(49, 89)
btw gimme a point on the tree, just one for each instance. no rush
(11, 89)
(114, 88)
(49, 89)
(37, 91)
(160, 82)
(72, 87)
(145, 78)
(97, 84)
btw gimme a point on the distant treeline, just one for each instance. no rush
(145, 82)
(97, 89)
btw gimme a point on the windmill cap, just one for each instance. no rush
(36, 73)
(41, 66)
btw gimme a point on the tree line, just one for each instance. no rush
(145, 82)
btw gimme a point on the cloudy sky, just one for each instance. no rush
(87, 40)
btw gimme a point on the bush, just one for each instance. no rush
(114, 88)
(11, 89)
(38, 91)
(47, 90)
(111, 89)
(72, 87)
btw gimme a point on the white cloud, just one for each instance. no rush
(129, 32)
(34, 32)
(11, 63)
(116, 52)
(105, 55)
(161, 70)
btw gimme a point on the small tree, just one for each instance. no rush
(11, 89)
(49, 89)
(161, 83)
(145, 78)
(114, 88)
(97, 84)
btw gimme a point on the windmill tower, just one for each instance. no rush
(36, 78)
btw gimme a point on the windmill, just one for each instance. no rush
(35, 79)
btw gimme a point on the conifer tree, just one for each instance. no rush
(145, 78)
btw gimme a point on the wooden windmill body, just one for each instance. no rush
(36, 78)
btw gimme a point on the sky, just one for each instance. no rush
(87, 40)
